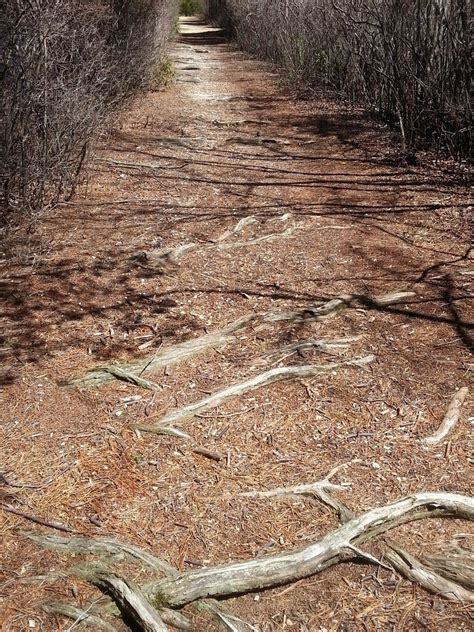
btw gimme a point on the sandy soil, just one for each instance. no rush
(182, 166)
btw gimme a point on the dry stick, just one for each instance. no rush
(167, 356)
(450, 419)
(129, 598)
(35, 519)
(258, 381)
(101, 546)
(268, 572)
(414, 570)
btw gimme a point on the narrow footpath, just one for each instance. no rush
(250, 291)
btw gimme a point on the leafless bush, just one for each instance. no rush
(65, 65)
(407, 60)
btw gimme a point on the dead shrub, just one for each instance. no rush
(65, 66)
(405, 60)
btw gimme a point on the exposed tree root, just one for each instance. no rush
(167, 356)
(130, 599)
(450, 575)
(324, 346)
(150, 605)
(165, 255)
(80, 616)
(258, 381)
(172, 354)
(453, 563)
(256, 574)
(316, 490)
(127, 376)
(116, 551)
(414, 570)
(450, 419)
(338, 304)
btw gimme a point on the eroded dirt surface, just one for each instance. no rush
(184, 165)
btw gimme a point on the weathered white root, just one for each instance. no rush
(127, 376)
(450, 575)
(173, 354)
(101, 546)
(444, 575)
(450, 419)
(453, 563)
(109, 547)
(325, 346)
(129, 598)
(414, 570)
(256, 574)
(164, 255)
(167, 356)
(316, 490)
(338, 304)
(258, 381)
(78, 615)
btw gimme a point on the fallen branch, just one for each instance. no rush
(129, 598)
(267, 572)
(450, 419)
(414, 570)
(263, 379)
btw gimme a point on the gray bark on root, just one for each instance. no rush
(173, 354)
(318, 490)
(336, 305)
(118, 550)
(80, 616)
(337, 546)
(258, 381)
(453, 563)
(450, 419)
(167, 356)
(414, 570)
(324, 346)
(129, 598)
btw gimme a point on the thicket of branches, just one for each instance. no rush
(65, 66)
(407, 60)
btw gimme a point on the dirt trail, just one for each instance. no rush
(184, 166)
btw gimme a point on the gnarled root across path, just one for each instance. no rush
(150, 605)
